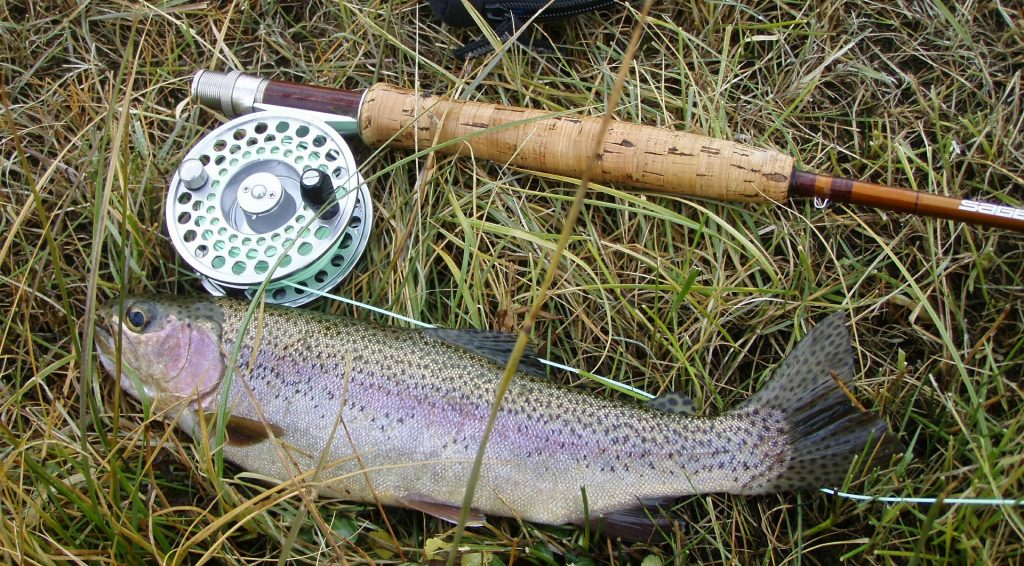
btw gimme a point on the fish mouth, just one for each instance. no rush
(107, 352)
(105, 347)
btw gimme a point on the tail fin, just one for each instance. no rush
(825, 431)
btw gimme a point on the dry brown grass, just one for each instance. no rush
(656, 292)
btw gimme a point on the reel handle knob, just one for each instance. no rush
(192, 174)
(317, 190)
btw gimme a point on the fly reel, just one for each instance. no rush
(275, 196)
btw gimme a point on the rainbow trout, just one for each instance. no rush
(374, 413)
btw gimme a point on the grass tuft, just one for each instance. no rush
(659, 293)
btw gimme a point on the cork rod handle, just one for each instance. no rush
(646, 157)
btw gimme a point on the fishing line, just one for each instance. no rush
(622, 387)
(925, 500)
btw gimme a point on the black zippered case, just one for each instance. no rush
(453, 13)
(507, 15)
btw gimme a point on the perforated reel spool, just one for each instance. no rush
(237, 215)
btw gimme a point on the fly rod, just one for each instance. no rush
(644, 157)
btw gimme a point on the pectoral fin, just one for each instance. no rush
(242, 431)
(442, 511)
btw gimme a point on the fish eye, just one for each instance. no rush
(136, 317)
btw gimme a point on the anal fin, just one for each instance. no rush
(648, 521)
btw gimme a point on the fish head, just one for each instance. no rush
(169, 350)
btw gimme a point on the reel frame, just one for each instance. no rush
(236, 214)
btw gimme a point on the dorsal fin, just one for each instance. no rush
(673, 402)
(495, 346)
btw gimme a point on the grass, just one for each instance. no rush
(659, 293)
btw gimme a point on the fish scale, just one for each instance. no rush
(371, 412)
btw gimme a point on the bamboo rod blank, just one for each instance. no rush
(903, 200)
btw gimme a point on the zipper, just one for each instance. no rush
(557, 11)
